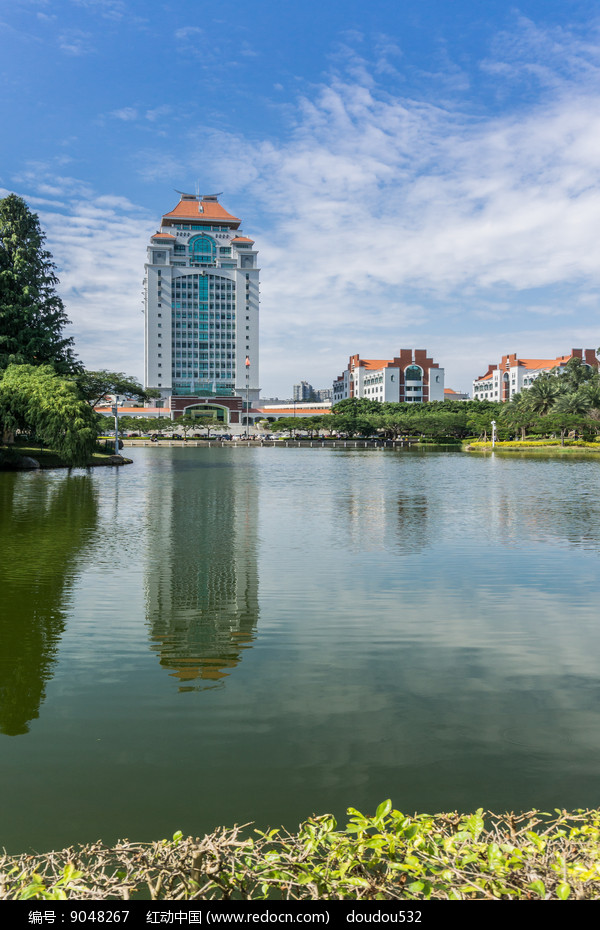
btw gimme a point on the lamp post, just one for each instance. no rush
(493, 434)
(115, 411)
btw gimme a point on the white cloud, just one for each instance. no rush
(127, 114)
(188, 31)
(383, 222)
(108, 9)
(76, 42)
(98, 244)
(374, 199)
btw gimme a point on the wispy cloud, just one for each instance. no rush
(187, 32)
(127, 114)
(98, 244)
(375, 198)
(76, 42)
(108, 9)
(384, 220)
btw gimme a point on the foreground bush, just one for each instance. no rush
(389, 856)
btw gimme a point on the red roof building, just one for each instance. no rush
(513, 375)
(412, 376)
(202, 305)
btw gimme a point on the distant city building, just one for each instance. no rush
(201, 309)
(303, 391)
(449, 394)
(293, 409)
(514, 375)
(324, 394)
(412, 376)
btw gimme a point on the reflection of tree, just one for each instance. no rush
(43, 526)
(203, 598)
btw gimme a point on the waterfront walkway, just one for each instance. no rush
(288, 443)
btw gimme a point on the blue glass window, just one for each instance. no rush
(202, 249)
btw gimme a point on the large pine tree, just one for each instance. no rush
(32, 315)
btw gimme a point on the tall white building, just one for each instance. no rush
(202, 304)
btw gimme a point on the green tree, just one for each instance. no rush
(575, 374)
(357, 405)
(32, 315)
(543, 393)
(213, 423)
(38, 400)
(519, 412)
(187, 422)
(94, 385)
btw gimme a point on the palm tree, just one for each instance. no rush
(591, 390)
(568, 412)
(543, 393)
(519, 412)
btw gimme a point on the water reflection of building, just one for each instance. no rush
(378, 518)
(43, 526)
(202, 580)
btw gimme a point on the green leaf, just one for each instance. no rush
(536, 840)
(383, 809)
(539, 887)
(563, 890)
(414, 887)
(474, 823)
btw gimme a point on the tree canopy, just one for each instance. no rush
(34, 398)
(94, 385)
(32, 315)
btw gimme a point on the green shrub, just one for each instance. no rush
(390, 856)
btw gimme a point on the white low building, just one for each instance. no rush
(411, 377)
(513, 375)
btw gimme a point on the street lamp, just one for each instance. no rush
(115, 411)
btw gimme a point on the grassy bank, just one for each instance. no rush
(548, 446)
(391, 856)
(10, 457)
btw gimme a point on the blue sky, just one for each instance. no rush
(422, 174)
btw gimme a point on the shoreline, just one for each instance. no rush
(389, 856)
(536, 448)
(30, 459)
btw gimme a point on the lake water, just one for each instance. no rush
(211, 636)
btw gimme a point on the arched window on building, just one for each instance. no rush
(203, 250)
(413, 373)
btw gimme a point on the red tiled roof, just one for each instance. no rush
(242, 239)
(373, 363)
(211, 210)
(536, 363)
(160, 235)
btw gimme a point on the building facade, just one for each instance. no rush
(303, 391)
(201, 302)
(513, 375)
(411, 377)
